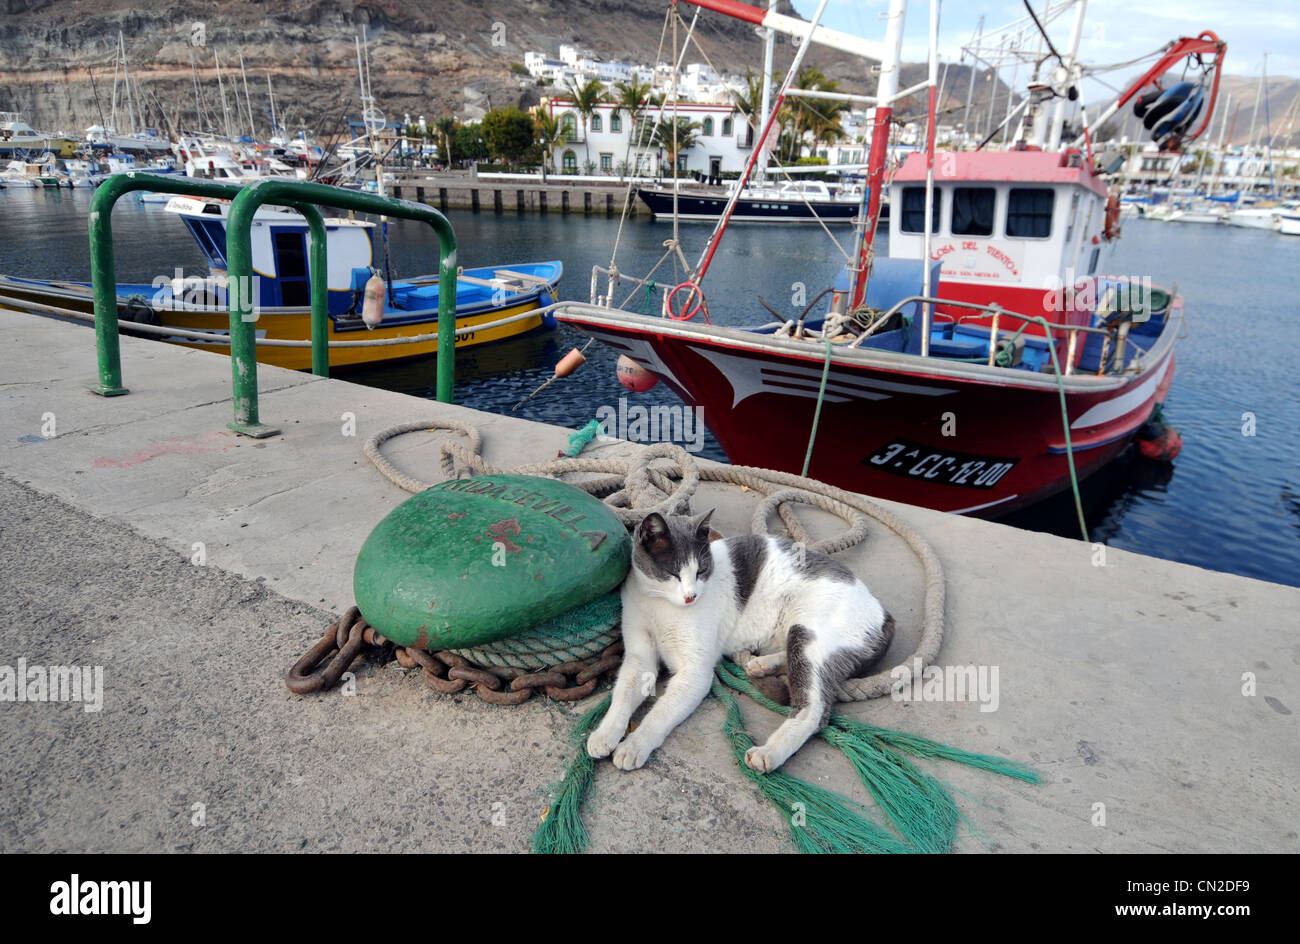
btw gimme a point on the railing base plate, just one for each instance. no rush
(105, 391)
(255, 430)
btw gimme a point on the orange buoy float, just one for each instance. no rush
(1159, 441)
(633, 376)
(566, 365)
(569, 363)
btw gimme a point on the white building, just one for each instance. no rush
(722, 144)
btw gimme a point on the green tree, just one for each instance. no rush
(468, 144)
(683, 140)
(585, 99)
(508, 133)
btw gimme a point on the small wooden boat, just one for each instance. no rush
(484, 296)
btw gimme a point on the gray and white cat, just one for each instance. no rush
(688, 601)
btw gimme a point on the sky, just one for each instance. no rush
(1114, 30)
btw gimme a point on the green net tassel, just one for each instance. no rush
(820, 820)
(919, 806)
(562, 831)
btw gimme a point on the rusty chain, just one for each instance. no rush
(444, 672)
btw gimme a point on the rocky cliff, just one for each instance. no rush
(57, 57)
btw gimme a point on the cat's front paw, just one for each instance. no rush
(603, 741)
(757, 668)
(632, 753)
(760, 759)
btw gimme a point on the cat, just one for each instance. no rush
(688, 601)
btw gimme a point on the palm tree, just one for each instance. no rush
(549, 133)
(631, 98)
(445, 128)
(585, 99)
(749, 102)
(683, 140)
(815, 118)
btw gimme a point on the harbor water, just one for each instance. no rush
(1230, 502)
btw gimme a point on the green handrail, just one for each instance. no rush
(103, 266)
(239, 258)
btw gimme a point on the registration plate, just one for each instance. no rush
(940, 466)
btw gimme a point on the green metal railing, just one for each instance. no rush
(246, 199)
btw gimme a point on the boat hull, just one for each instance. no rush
(786, 209)
(295, 324)
(960, 438)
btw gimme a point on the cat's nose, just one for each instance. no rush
(689, 598)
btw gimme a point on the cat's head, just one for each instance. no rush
(672, 555)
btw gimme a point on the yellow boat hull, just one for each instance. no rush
(296, 326)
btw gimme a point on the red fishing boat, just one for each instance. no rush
(979, 383)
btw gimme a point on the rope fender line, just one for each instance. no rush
(663, 477)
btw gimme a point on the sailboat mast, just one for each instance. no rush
(198, 106)
(931, 115)
(248, 102)
(225, 110)
(769, 48)
(1223, 128)
(270, 94)
(1268, 131)
(126, 78)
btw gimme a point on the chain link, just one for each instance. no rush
(444, 672)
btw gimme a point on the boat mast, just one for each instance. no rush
(878, 156)
(1268, 130)
(198, 107)
(1223, 127)
(769, 48)
(1071, 57)
(931, 110)
(248, 103)
(970, 88)
(225, 110)
(126, 76)
(270, 94)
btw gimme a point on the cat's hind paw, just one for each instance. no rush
(602, 741)
(759, 758)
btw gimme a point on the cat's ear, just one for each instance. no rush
(653, 534)
(702, 525)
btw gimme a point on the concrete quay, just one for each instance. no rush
(1157, 699)
(489, 194)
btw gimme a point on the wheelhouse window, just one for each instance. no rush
(1029, 212)
(912, 219)
(972, 211)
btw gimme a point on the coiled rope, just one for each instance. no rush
(663, 477)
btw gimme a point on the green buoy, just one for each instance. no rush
(470, 561)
